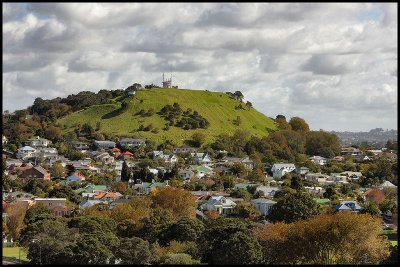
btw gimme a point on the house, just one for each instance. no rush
(263, 205)
(75, 177)
(223, 170)
(337, 178)
(105, 158)
(223, 205)
(81, 146)
(201, 171)
(315, 177)
(243, 186)
(186, 174)
(25, 152)
(338, 158)
(125, 156)
(4, 140)
(91, 189)
(352, 175)
(87, 203)
(269, 191)
(146, 188)
(184, 149)
(172, 159)
(387, 155)
(37, 142)
(302, 170)
(107, 196)
(280, 169)
(37, 172)
(315, 190)
(13, 162)
(318, 160)
(246, 161)
(201, 158)
(347, 206)
(361, 157)
(132, 142)
(56, 205)
(350, 151)
(103, 144)
(387, 184)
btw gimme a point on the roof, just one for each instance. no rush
(283, 165)
(263, 200)
(387, 184)
(41, 169)
(243, 186)
(27, 148)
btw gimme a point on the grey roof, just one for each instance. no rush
(263, 200)
(284, 165)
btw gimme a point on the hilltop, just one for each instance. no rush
(122, 117)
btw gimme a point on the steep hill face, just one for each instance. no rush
(217, 108)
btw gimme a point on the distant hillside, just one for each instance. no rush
(217, 108)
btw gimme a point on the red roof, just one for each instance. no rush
(128, 153)
(116, 149)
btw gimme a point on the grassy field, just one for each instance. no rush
(14, 252)
(217, 108)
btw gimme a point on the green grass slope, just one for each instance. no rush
(217, 107)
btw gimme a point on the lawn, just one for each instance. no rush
(14, 252)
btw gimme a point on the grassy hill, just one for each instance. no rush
(217, 107)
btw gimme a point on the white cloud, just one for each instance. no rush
(335, 64)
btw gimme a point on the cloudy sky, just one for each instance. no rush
(335, 65)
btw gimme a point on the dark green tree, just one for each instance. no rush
(133, 251)
(293, 207)
(228, 241)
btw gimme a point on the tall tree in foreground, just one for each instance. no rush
(343, 238)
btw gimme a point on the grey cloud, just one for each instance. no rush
(269, 63)
(324, 65)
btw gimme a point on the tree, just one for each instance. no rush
(133, 251)
(186, 229)
(238, 169)
(293, 207)
(296, 183)
(179, 201)
(371, 208)
(322, 143)
(282, 123)
(57, 170)
(228, 241)
(179, 259)
(198, 139)
(330, 191)
(52, 243)
(65, 191)
(38, 212)
(388, 205)
(247, 210)
(256, 175)
(343, 238)
(299, 124)
(238, 95)
(155, 225)
(15, 219)
(375, 195)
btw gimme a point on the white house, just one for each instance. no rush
(26, 151)
(168, 158)
(201, 158)
(132, 142)
(184, 149)
(103, 144)
(263, 205)
(318, 160)
(280, 169)
(269, 191)
(221, 204)
(186, 174)
(37, 142)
